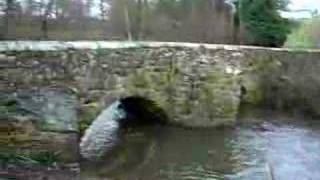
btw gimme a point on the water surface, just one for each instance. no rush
(272, 149)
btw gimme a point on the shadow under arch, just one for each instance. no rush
(141, 111)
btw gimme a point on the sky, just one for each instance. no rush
(302, 5)
(305, 4)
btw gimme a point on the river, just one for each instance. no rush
(271, 148)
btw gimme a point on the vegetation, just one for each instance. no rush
(251, 22)
(262, 21)
(306, 35)
(256, 22)
(7, 106)
(170, 20)
(88, 113)
(42, 158)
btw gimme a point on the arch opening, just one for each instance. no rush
(141, 112)
(128, 113)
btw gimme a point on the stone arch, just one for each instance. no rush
(105, 131)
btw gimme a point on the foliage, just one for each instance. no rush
(263, 23)
(306, 35)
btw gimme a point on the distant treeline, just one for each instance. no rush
(255, 22)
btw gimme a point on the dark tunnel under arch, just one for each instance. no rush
(141, 112)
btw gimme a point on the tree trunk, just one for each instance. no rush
(127, 20)
(9, 20)
(44, 23)
(139, 19)
(143, 14)
(102, 10)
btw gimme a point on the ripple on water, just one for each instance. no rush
(189, 172)
(289, 152)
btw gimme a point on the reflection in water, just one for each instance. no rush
(256, 151)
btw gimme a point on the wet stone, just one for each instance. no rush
(39, 121)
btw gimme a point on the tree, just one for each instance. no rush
(88, 5)
(9, 19)
(48, 7)
(209, 21)
(29, 7)
(120, 17)
(104, 9)
(139, 16)
(262, 22)
(61, 8)
(127, 19)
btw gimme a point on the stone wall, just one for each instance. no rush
(198, 85)
(285, 80)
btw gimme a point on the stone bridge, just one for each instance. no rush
(197, 85)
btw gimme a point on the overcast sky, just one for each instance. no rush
(302, 4)
(305, 4)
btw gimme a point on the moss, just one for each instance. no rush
(229, 110)
(141, 79)
(254, 96)
(14, 139)
(8, 106)
(159, 86)
(20, 134)
(215, 98)
(210, 93)
(186, 107)
(88, 114)
(9, 103)
(263, 64)
(42, 158)
(261, 72)
(208, 100)
(3, 110)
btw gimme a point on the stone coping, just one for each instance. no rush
(91, 45)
